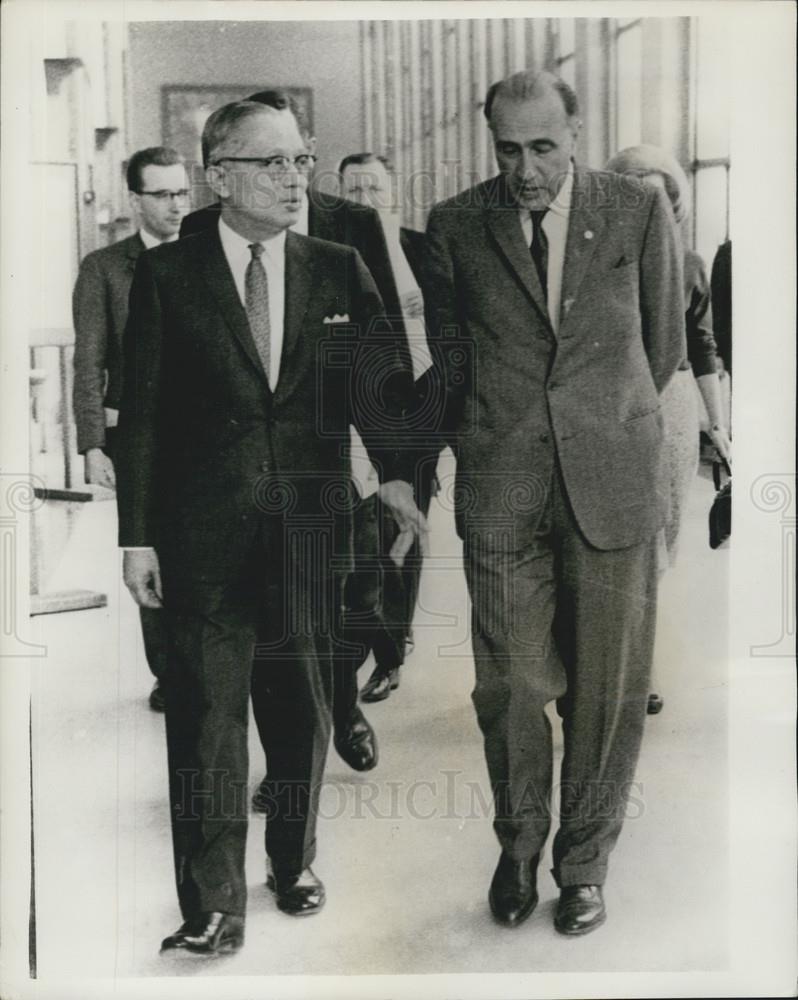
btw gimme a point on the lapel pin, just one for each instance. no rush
(588, 234)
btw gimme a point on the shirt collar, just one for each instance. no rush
(235, 245)
(151, 241)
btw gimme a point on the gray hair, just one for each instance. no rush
(226, 119)
(529, 84)
(642, 161)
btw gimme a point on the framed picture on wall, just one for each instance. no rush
(185, 108)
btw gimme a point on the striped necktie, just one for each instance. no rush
(256, 293)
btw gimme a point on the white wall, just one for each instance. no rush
(322, 55)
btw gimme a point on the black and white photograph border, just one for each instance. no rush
(701, 892)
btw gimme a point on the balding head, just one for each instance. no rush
(533, 120)
(531, 85)
(222, 127)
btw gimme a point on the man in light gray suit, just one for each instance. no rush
(554, 309)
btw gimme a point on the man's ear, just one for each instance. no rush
(216, 176)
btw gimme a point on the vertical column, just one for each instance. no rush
(366, 38)
(593, 89)
(465, 124)
(378, 87)
(651, 84)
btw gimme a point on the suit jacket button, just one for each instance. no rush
(264, 467)
(543, 438)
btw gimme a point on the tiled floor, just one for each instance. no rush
(406, 852)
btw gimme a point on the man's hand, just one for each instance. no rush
(397, 496)
(720, 438)
(99, 469)
(142, 575)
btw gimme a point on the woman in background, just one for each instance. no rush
(679, 402)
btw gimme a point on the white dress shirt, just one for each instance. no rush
(236, 250)
(555, 226)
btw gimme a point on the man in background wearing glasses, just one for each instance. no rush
(159, 199)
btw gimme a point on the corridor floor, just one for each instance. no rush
(407, 851)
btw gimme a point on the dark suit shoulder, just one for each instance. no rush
(116, 253)
(333, 203)
(200, 220)
(483, 195)
(314, 246)
(177, 255)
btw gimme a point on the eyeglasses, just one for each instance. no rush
(165, 196)
(273, 165)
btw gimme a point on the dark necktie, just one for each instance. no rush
(256, 293)
(539, 248)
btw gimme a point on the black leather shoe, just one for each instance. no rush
(655, 704)
(297, 895)
(356, 742)
(513, 892)
(380, 684)
(156, 698)
(208, 934)
(580, 909)
(261, 800)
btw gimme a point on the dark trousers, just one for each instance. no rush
(556, 618)
(153, 626)
(266, 633)
(373, 586)
(379, 598)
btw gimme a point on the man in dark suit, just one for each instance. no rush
(388, 632)
(554, 305)
(339, 221)
(249, 352)
(328, 217)
(158, 186)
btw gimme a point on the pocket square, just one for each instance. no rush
(337, 319)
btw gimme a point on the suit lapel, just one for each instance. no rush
(216, 272)
(585, 229)
(504, 224)
(299, 284)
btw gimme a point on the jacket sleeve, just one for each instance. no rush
(136, 459)
(661, 293)
(90, 319)
(441, 389)
(701, 346)
(378, 261)
(382, 385)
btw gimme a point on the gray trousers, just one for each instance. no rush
(558, 619)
